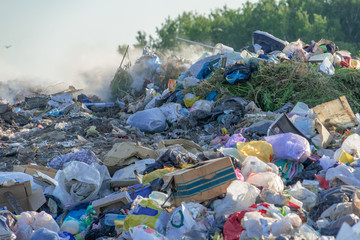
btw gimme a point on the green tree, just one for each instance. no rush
(122, 48)
(141, 39)
(345, 15)
(336, 20)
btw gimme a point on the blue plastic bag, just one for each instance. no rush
(44, 233)
(150, 120)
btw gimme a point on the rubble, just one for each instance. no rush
(185, 151)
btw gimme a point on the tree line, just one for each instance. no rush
(335, 20)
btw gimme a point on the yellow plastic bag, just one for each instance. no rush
(145, 212)
(355, 64)
(343, 157)
(259, 149)
(190, 101)
(159, 173)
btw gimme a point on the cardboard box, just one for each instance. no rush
(28, 199)
(115, 200)
(31, 169)
(201, 182)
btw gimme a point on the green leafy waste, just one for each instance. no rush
(120, 85)
(272, 86)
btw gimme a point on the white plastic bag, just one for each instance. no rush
(189, 216)
(204, 105)
(31, 221)
(254, 222)
(305, 125)
(351, 145)
(239, 196)
(233, 152)
(301, 109)
(267, 180)
(81, 181)
(303, 119)
(286, 225)
(151, 120)
(269, 196)
(171, 111)
(326, 162)
(327, 67)
(127, 173)
(292, 47)
(143, 232)
(337, 210)
(152, 102)
(307, 197)
(190, 81)
(344, 173)
(254, 165)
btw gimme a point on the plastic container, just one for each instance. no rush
(112, 219)
(221, 48)
(159, 198)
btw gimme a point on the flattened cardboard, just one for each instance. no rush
(115, 200)
(31, 169)
(187, 144)
(121, 152)
(336, 113)
(201, 182)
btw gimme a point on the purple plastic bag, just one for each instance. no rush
(289, 146)
(235, 138)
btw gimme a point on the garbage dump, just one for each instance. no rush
(187, 151)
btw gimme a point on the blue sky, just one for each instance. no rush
(56, 40)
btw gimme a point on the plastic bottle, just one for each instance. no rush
(258, 115)
(55, 112)
(107, 104)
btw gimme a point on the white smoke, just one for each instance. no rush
(88, 68)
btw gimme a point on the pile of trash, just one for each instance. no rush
(161, 162)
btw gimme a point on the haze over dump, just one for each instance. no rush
(54, 44)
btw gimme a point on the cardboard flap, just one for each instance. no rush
(39, 176)
(326, 137)
(31, 169)
(167, 182)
